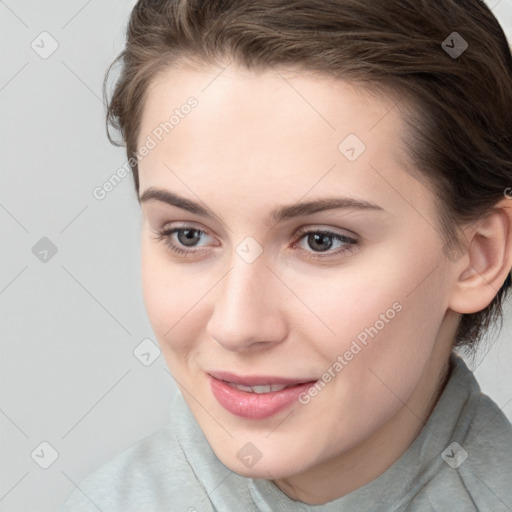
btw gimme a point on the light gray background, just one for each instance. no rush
(69, 325)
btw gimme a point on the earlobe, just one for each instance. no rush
(488, 261)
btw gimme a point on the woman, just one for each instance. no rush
(323, 187)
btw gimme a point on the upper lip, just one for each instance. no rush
(256, 380)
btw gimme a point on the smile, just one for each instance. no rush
(258, 389)
(256, 398)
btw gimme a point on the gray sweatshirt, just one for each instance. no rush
(460, 461)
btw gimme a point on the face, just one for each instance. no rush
(342, 301)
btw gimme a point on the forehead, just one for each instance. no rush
(270, 98)
(273, 130)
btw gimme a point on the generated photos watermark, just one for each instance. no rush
(355, 348)
(151, 142)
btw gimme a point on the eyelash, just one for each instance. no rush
(351, 243)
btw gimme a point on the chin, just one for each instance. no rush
(261, 470)
(265, 467)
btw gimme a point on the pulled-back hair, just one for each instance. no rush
(457, 108)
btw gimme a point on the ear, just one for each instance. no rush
(483, 270)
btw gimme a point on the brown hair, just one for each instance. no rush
(458, 108)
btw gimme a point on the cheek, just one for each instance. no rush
(175, 302)
(395, 348)
(165, 296)
(383, 318)
(339, 307)
(157, 298)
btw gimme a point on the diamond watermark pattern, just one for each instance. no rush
(454, 455)
(249, 249)
(454, 45)
(44, 455)
(44, 45)
(146, 352)
(44, 250)
(249, 454)
(351, 147)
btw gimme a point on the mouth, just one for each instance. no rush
(269, 388)
(254, 381)
(256, 397)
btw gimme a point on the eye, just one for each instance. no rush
(185, 236)
(322, 241)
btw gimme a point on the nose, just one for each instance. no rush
(248, 312)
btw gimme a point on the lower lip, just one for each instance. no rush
(253, 405)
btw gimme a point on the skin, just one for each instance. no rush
(259, 140)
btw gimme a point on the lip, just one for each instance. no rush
(256, 380)
(253, 405)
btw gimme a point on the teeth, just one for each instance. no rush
(277, 387)
(258, 389)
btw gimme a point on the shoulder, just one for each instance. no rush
(148, 475)
(487, 469)
(475, 469)
(472, 463)
(486, 435)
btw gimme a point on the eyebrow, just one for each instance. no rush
(280, 214)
